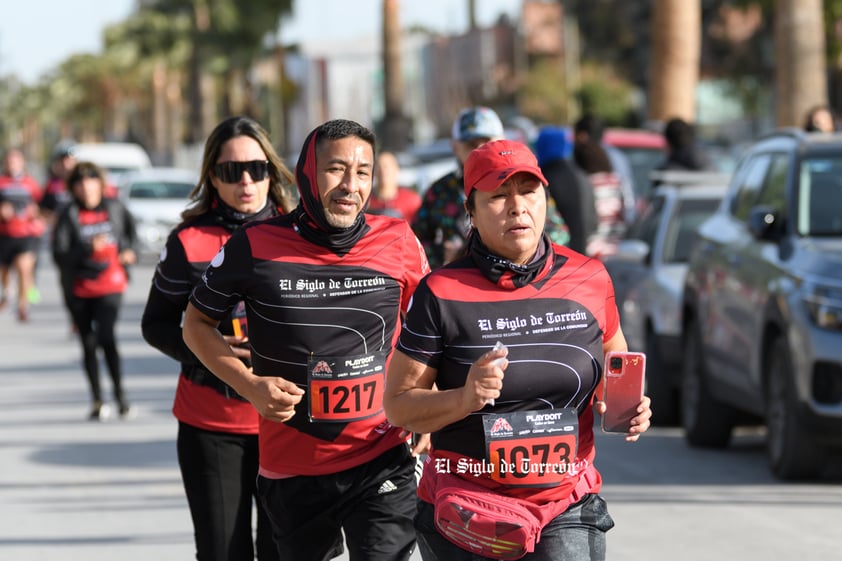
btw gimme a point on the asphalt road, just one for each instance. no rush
(75, 490)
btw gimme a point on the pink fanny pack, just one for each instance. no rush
(490, 524)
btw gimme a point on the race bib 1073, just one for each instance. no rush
(531, 448)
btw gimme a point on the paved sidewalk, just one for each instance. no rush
(76, 490)
(71, 489)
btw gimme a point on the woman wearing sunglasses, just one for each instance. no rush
(242, 179)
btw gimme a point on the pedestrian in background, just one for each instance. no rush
(589, 127)
(388, 196)
(93, 245)
(242, 179)
(21, 229)
(324, 289)
(683, 150)
(821, 118)
(441, 223)
(567, 185)
(56, 194)
(609, 201)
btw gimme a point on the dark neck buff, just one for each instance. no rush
(503, 272)
(309, 215)
(231, 219)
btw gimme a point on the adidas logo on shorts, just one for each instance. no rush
(387, 487)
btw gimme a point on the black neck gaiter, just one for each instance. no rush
(503, 272)
(231, 219)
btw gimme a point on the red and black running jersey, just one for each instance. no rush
(554, 329)
(112, 279)
(23, 194)
(189, 249)
(305, 303)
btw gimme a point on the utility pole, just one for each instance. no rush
(800, 73)
(396, 126)
(676, 54)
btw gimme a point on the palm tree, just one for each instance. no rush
(155, 49)
(676, 51)
(395, 128)
(226, 38)
(800, 76)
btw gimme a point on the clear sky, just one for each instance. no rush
(37, 35)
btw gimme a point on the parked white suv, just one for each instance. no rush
(115, 158)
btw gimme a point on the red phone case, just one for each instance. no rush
(623, 389)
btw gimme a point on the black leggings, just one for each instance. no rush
(219, 471)
(95, 319)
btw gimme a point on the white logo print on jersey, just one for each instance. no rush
(218, 258)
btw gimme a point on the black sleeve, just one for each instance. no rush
(168, 295)
(70, 253)
(124, 224)
(129, 238)
(161, 327)
(49, 202)
(421, 337)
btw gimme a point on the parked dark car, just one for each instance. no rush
(763, 306)
(648, 272)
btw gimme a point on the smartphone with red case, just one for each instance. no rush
(623, 389)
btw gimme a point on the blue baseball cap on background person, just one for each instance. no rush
(553, 143)
(477, 122)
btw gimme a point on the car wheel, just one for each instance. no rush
(792, 452)
(659, 386)
(706, 421)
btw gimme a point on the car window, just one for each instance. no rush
(681, 232)
(748, 182)
(820, 197)
(160, 190)
(773, 192)
(645, 228)
(642, 161)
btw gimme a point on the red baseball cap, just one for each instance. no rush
(490, 165)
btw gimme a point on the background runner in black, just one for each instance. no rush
(93, 243)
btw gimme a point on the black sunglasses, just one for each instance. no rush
(232, 172)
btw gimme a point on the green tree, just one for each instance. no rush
(226, 37)
(89, 94)
(156, 49)
(789, 53)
